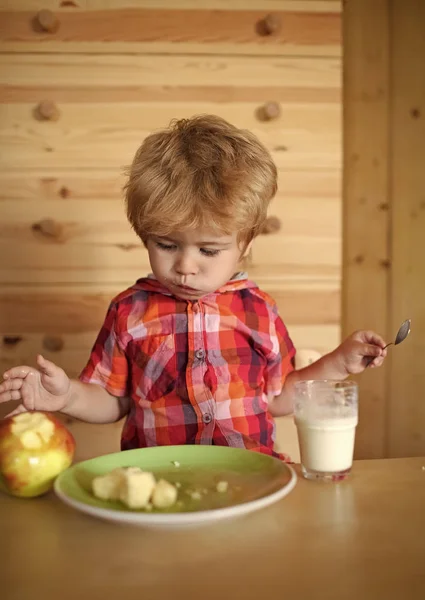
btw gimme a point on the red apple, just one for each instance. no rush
(34, 448)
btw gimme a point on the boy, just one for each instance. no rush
(195, 353)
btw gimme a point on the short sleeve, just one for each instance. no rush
(108, 365)
(281, 361)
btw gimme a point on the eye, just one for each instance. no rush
(207, 252)
(167, 247)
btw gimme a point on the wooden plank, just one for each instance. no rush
(101, 71)
(67, 185)
(113, 78)
(101, 185)
(406, 374)
(76, 348)
(319, 184)
(175, 25)
(194, 93)
(176, 30)
(365, 196)
(143, 117)
(156, 48)
(99, 245)
(129, 270)
(281, 277)
(71, 358)
(81, 221)
(308, 307)
(106, 136)
(63, 6)
(286, 276)
(42, 262)
(36, 262)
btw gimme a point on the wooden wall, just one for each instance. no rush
(110, 73)
(384, 213)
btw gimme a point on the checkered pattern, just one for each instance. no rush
(197, 372)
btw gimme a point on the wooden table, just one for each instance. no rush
(363, 538)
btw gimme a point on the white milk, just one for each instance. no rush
(327, 444)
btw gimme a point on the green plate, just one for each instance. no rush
(254, 481)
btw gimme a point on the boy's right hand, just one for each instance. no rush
(46, 388)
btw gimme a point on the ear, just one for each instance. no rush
(247, 250)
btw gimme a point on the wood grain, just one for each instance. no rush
(106, 136)
(82, 222)
(114, 78)
(109, 267)
(61, 185)
(43, 262)
(352, 526)
(70, 184)
(99, 245)
(192, 93)
(178, 28)
(271, 5)
(365, 278)
(406, 374)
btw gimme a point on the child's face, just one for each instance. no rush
(194, 262)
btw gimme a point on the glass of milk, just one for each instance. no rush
(326, 416)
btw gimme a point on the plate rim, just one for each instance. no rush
(186, 518)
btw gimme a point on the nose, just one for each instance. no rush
(185, 265)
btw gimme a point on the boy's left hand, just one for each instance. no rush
(356, 352)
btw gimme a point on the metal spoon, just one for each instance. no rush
(402, 334)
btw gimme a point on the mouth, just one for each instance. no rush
(186, 288)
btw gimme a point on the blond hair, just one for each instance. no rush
(200, 172)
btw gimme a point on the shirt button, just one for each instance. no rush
(200, 354)
(195, 307)
(207, 418)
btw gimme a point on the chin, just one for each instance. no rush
(190, 296)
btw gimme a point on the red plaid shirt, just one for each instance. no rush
(197, 372)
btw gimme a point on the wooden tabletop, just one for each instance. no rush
(363, 538)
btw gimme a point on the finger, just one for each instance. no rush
(21, 372)
(10, 395)
(18, 410)
(373, 338)
(46, 366)
(368, 362)
(11, 384)
(379, 361)
(371, 350)
(374, 362)
(27, 391)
